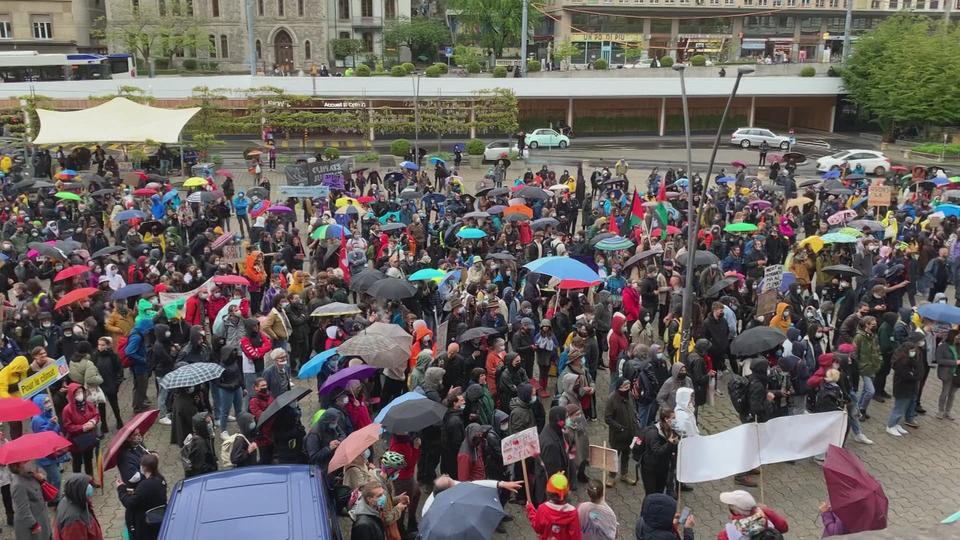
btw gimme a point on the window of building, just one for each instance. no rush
(135, 4)
(189, 8)
(6, 29)
(805, 3)
(260, 8)
(42, 26)
(224, 49)
(215, 7)
(367, 39)
(345, 35)
(162, 8)
(893, 4)
(907, 4)
(280, 8)
(307, 50)
(821, 3)
(366, 8)
(660, 26)
(809, 25)
(921, 4)
(934, 4)
(212, 45)
(834, 3)
(300, 8)
(874, 4)
(343, 9)
(390, 9)
(259, 49)
(748, 2)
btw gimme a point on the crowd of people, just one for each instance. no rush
(140, 279)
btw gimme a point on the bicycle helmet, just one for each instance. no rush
(393, 460)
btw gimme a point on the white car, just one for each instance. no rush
(873, 162)
(747, 137)
(500, 149)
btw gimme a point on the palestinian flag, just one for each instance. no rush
(636, 209)
(661, 210)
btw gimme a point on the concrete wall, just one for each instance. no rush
(773, 70)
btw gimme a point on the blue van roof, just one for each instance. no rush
(269, 501)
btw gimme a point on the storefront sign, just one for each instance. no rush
(39, 381)
(312, 174)
(607, 36)
(344, 105)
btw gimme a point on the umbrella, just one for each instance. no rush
(335, 309)
(428, 200)
(376, 350)
(411, 416)
(435, 160)
(568, 284)
(353, 446)
(287, 398)
(149, 226)
(315, 364)
(944, 313)
(855, 176)
(949, 210)
(600, 236)
(740, 227)
(280, 209)
(195, 181)
(67, 172)
(799, 202)
(476, 332)
(795, 157)
(222, 240)
(641, 256)
(70, 272)
(814, 242)
(426, 274)
(46, 250)
(67, 196)
(757, 340)
(535, 193)
(129, 214)
(514, 218)
(851, 231)
(410, 194)
(559, 187)
(144, 192)
(191, 375)
(224, 172)
(258, 192)
(348, 210)
(32, 446)
(520, 209)
(392, 289)
(898, 169)
(760, 204)
(331, 231)
(388, 227)
(134, 289)
(700, 258)
(231, 279)
(855, 496)
(409, 165)
(832, 173)
(476, 215)
(738, 163)
(860, 224)
(840, 191)
(170, 195)
(365, 278)
(838, 238)
(75, 296)
(841, 216)
(808, 182)
(503, 256)
(498, 192)
(477, 509)
(14, 409)
(141, 421)
(103, 192)
(470, 233)
(725, 179)
(341, 378)
(842, 270)
(543, 223)
(107, 251)
(614, 243)
(562, 268)
(717, 287)
(402, 398)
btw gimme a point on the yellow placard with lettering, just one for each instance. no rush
(39, 381)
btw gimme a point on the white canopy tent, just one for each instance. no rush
(118, 120)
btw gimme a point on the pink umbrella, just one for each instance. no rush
(760, 203)
(223, 240)
(841, 217)
(774, 158)
(279, 208)
(738, 163)
(225, 173)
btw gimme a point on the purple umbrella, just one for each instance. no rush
(278, 208)
(760, 203)
(340, 379)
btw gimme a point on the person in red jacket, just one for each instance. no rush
(79, 420)
(617, 340)
(258, 403)
(825, 362)
(75, 519)
(470, 457)
(195, 308)
(555, 519)
(409, 447)
(746, 516)
(215, 303)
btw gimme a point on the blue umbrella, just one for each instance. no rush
(129, 214)
(135, 289)
(477, 509)
(434, 160)
(433, 198)
(562, 268)
(725, 179)
(398, 400)
(833, 173)
(470, 233)
(940, 181)
(312, 367)
(944, 313)
(168, 196)
(494, 210)
(948, 209)
(409, 165)
(682, 182)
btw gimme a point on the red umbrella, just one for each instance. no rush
(144, 192)
(565, 284)
(366, 199)
(73, 271)
(32, 446)
(15, 409)
(670, 230)
(223, 240)
(76, 295)
(225, 173)
(855, 496)
(899, 169)
(231, 279)
(353, 446)
(738, 163)
(142, 421)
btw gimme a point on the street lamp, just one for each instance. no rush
(693, 214)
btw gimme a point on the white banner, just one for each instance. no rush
(166, 298)
(748, 446)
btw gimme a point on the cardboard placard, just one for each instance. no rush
(879, 195)
(520, 446)
(232, 254)
(442, 332)
(604, 458)
(39, 381)
(767, 302)
(772, 277)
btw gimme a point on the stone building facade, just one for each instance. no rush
(49, 26)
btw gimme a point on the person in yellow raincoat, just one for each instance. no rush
(891, 228)
(10, 377)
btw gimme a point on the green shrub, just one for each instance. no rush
(362, 70)
(600, 64)
(408, 67)
(698, 60)
(499, 72)
(400, 147)
(331, 153)
(433, 71)
(951, 149)
(443, 67)
(367, 157)
(808, 71)
(666, 62)
(190, 64)
(473, 68)
(398, 71)
(533, 66)
(475, 147)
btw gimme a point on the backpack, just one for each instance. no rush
(226, 448)
(185, 456)
(122, 351)
(738, 387)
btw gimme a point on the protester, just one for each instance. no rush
(659, 520)
(31, 520)
(555, 518)
(747, 518)
(75, 519)
(149, 494)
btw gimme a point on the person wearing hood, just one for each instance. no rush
(432, 387)
(326, 434)
(136, 351)
(356, 406)
(367, 513)
(10, 377)
(162, 362)
(555, 519)
(584, 385)
(621, 420)
(197, 349)
(75, 518)
(31, 518)
(232, 329)
(660, 452)
(244, 452)
(149, 493)
(422, 341)
(199, 448)
(617, 341)
(575, 431)
(47, 421)
(254, 346)
(907, 365)
(420, 369)
(452, 432)
(480, 403)
(554, 453)
(186, 402)
(948, 362)
(229, 387)
(685, 419)
(679, 378)
(259, 402)
(782, 318)
(111, 372)
(759, 396)
(511, 377)
(80, 419)
(658, 519)
(699, 371)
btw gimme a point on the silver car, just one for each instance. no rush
(747, 137)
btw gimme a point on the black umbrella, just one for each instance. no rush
(396, 226)
(476, 332)
(411, 416)
(700, 258)
(600, 236)
(832, 183)
(516, 217)
(363, 279)
(25, 185)
(103, 192)
(109, 250)
(796, 157)
(483, 192)
(477, 508)
(46, 250)
(497, 192)
(840, 191)
(410, 194)
(501, 256)
(641, 256)
(259, 192)
(809, 182)
(719, 286)
(392, 289)
(149, 225)
(289, 397)
(433, 198)
(543, 223)
(531, 192)
(67, 246)
(757, 340)
(843, 270)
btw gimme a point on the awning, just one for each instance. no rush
(754, 45)
(118, 120)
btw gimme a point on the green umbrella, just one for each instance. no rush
(614, 243)
(740, 227)
(66, 195)
(954, 179)
(851, 231)
(838, 238)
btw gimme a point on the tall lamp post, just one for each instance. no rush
(694, 213)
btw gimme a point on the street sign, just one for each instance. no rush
(520, 446)
(448, 52)
(39, 381)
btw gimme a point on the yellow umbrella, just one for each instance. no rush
(814, 242)
(344, 201)
(799, 202)
(196, 181)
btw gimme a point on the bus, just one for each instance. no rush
(122, 66)
(31, 66)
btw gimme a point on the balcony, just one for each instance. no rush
(367, 22)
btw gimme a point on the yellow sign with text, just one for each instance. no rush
(39, 381)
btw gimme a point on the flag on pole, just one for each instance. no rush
(661, 210)
(636, 209)
(343, 258)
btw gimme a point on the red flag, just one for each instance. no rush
(636, 209)
(662, 192)
(614, 228)
(343, 258)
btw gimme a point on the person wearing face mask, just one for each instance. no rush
(452, 431)
(666, 397)
(621, 419)
(197, 349)
(554, 453)
(47, 420)
(259, 402)
(326, 434)
(368, 513)
(198, 451)
(194, 311)
(906, 364)
(278, 375)
(149, 493)
(277, 325)
(80, 420)
(299, 319)
(390, 465)
(75, 517)
(52, 333)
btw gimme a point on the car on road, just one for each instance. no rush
(547, 138)
(747, 137)
(500, 149)
(255, 503)
(872, 161)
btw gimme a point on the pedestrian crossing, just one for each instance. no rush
(319, 144)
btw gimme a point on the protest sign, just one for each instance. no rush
(604, 458)
(880, 195)
(767, 302)
(312, 174)
(232, 254)
(772, 277)
(39, 381)
(520, 446)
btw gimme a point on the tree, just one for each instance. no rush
(906, 71)
(564, 51)
(464, 55)
(421, 35)
(344, 47)
(151, 35)
(495, 23)
(632, 54)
